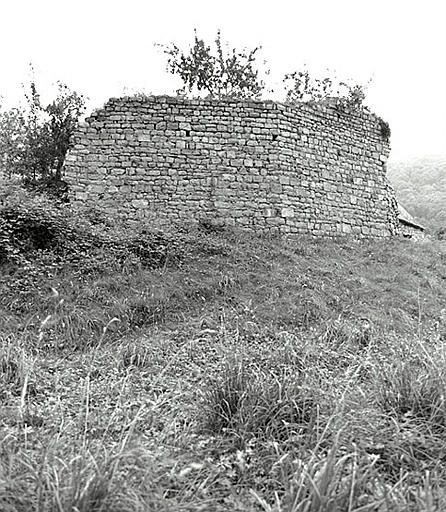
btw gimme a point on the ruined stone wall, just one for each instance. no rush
(269, 167)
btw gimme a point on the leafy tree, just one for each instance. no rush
(12, 136)
(34, 140)
(221, 73)
(300, 86)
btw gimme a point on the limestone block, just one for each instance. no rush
(96, 189)
(287, 212)
(139, 203)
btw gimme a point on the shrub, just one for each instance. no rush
(219, 73)
(31, 223)
(34, 141)
(384, 129)
(300, 86)
(440, 233)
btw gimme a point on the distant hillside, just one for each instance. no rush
(420, 185)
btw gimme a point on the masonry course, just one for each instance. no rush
(270, 167)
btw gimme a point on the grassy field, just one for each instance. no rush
(205, 369)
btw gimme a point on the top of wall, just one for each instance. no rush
(328, 113)
(320, 109)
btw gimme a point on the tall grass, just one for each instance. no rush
(203, 369)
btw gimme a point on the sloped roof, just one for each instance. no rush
(406, 218)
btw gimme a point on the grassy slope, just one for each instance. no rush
(253, 374)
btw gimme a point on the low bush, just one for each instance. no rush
(32, 223)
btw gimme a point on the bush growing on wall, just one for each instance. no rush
(300, 86)
(219, 72)
(34, 140)
(230, 73)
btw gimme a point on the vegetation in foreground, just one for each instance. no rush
(198, 368)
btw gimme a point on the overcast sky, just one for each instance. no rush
(105, 48)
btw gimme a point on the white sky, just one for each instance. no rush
(105, 48)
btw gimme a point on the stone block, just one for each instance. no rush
(139, 203)
(287, 212)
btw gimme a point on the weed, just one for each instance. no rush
(282, 408)
(248, 403)
(332, 482)
(134, 355)
(225, 398)
(15, 367)
(410, 390)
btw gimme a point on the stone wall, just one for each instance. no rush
(311, 168)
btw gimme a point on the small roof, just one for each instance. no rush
(406, 218)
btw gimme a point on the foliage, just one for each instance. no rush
(300, 86)
(219, 72)
(440, 233)
(34, 140)
(12, 135)
(31, 223)
(385, 129)
(420, 185)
